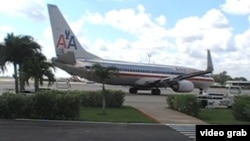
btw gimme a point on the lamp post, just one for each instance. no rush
(149, 55)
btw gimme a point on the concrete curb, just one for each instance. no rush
(81, 122)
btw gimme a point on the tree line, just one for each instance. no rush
(28, 61)
(223, 77)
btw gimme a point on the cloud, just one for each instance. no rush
(161, 20)
(129, 20)
(190, 36)
(211, 31)
(243, 40)
(214, 18)
(29, 8)
(133, 21)
(95, 18)
(190, 33)
(237, 7)
(148, 31)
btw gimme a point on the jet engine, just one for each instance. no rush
(183, 86)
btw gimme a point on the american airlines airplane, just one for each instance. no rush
(74, 59)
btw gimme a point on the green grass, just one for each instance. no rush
(125, 114)
(219, 116)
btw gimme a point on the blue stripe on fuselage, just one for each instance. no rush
(144, 68)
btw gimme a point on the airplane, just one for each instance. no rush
(75, 60)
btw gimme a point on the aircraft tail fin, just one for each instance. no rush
(64, 38)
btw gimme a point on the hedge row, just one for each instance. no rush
(187, 104)
(55, 104)
(114, 99)
(40, 106)
(241, 108)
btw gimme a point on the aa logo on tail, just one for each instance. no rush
(66, 40)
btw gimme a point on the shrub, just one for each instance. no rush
(170, 101)
(68, 107)
(114, 99)
(54, 104)
(203, 103)
(14, 106)
(187, 104)
(92, 99)
(3, 107)
(41, 105)
(44, 103)
(241, 108)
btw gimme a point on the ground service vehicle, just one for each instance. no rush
(220, 100)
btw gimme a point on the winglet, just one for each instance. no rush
(174, 79)
(210, 67)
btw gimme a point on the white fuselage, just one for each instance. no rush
(130, 74)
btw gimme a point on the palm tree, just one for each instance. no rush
(2, 58)
(15, 50)
(103, 74)
(33, 48)
(36, 68)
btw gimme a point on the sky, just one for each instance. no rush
(171, 32)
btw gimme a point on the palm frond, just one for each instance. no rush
(104, 73)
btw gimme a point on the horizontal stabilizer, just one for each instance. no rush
(68, 58)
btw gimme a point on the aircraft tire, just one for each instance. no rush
(155, 91)
(133, 90)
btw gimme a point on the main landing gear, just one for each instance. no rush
(133, 90)
(154, 91)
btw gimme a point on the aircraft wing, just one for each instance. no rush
(172, 80)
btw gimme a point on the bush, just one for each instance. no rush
(54, 104)
(92, 99)
(187, 104)
(203, 103)
(114, 99)
(170, 101)
(41, 105)
(68, 107)
(241, 108)
(44, 104)
(14, 106)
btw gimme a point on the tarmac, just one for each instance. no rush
(35, 130)
(158, 110)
